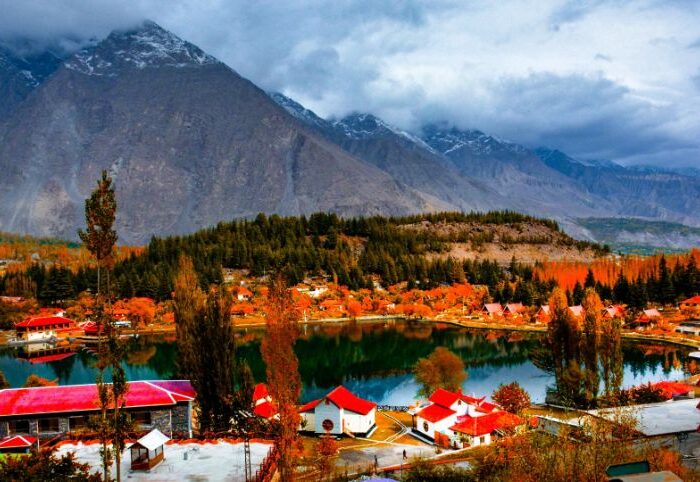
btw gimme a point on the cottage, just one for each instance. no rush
(577, 311)
(613, 311)
(691, 306)
(339, 412)
(244, 294)
(542, 314)
(43, 328)
(46, 412)
(647, 318)
(492, 310)
(263, 406)
(461, 420)
(513, 309)
(148, 451)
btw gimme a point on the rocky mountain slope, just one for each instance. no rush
(188, 141)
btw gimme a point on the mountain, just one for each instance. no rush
(657, 194)
(188, 141)
(400, 154)
(20, 74)
(513, 171)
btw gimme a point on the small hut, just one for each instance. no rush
(147, 452)
(18, 444)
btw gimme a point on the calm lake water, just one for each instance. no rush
(372, 359)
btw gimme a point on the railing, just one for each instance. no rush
(267, 468)
(392, 408)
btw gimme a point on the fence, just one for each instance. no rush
(392, 408)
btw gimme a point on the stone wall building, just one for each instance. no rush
(47, 412)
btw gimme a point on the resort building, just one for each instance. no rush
(492, 309)
(691, 306)
(513, 309)
(339, 412)
(457, 420)
(46, 412)
(43, 328)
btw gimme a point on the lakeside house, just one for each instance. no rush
(513, 309)
(691, 306)
(339, 412)
(46, 412)
(492, 309)
(42, 328)
(457, 420)
(542, 314)
(613, 312)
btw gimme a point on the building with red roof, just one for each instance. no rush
(492, 310)
(513, 309)
(43, 327)
(461, 419)
(17, 444)
(339, 412)
(51, 411)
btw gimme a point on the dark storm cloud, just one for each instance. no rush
(533, 71)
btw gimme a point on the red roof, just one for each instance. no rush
(265, 410)
(477, 426)
(695, 300)
(435, 413)
(260, 392)
(345, 399)
(310, 406)
(444, 397)
(674, 388)
(486, 407)
(43, 322)
(83, 398)
(17, 442)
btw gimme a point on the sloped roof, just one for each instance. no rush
(43, 321)
(444, 397)
(514, 307)
(493, 307)
(83, 398)
(153, 439)
(343, 398)
(652, 313)
(576, 310)
(346, 400)
(477, 426)
(17, 442)
(691, 301)
(435, 413)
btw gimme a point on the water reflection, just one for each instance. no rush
(372, 359)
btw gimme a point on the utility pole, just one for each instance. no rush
(248, 465)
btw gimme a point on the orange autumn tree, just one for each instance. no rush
(441, 369)
(282, 369)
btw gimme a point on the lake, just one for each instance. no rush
(372, 359)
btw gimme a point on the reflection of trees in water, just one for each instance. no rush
(327, 359)
(648, 358)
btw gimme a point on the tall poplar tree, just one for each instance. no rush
(100, 239)
(590, 343)
(282, 368)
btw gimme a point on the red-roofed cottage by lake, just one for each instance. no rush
(46, 412)
(339, 412)
(42, 328)
(461, 420)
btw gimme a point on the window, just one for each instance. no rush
(426, 427)
(327, 425)
(77, 423)
(48, 425)
(141, 418)
(19, 427)
(482, 440)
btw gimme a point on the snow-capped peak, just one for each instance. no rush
(447, 140)
(364, 126)
(146, 46)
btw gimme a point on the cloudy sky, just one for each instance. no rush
(599, 79)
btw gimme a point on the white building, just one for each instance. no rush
(460, 420)
(339, 412)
